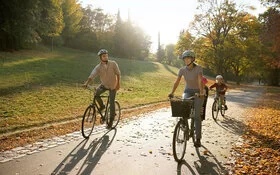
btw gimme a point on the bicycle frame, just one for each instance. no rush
(89, 117)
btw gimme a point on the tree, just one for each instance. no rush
(215, 23)
(185, 42)
(270, 38)
(170, 50)
(228, 35)
(129, 40)
(18, 23)
(50, 23)
(72, 15)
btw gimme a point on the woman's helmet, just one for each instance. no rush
(102, 51)
(219, 77)
(188, 53)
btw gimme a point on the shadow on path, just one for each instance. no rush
(231, 125)
(182, 166)
(206, 164)
(94, 153)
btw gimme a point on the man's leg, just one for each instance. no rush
(98, 92)
(112, 106)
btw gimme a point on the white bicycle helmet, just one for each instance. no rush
(102, 51)
(219, 77)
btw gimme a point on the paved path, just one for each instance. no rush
(140, 147)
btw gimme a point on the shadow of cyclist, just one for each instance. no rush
(231, 125)
(96, 150)
(208, 163)
(72, 159)
(184, 168)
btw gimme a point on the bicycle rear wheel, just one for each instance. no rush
(215, 110)
(117, 115)
(179, 140)
(88, 121)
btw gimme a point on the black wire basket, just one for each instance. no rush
(181, 108)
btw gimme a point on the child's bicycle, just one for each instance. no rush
(218, 107)
(89, 117)
(184, 129)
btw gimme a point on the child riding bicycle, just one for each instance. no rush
(221, 89)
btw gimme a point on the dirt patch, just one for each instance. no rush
(21, 138)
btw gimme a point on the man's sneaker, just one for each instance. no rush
(226, 107)
(197, 143)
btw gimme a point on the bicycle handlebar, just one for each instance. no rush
(217, 91)
(89, 87)
(189, 98)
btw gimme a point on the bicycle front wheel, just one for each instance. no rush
(215, 110)
(88, 121)
(117, 115)
(179, 141)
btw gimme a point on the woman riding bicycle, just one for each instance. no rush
(221, 89)
(193, 76)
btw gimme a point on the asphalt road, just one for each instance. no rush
(141, 146)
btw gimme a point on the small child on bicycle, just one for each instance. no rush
(221, 89)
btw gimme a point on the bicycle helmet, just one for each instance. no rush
(102, 51)
(219, 76)
(188, 53)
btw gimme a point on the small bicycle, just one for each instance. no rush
(184, 129)
(89, 117)
(218, 107)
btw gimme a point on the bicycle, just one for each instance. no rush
(218, 106)
(184, 129)
(89, 117)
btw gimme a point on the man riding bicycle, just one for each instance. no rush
(193, 76)
(109, 74)
(221, 89)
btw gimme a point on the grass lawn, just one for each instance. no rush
(40, 87)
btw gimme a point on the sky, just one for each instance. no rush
(167, 17)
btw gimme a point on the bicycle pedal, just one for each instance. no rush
(101, 121)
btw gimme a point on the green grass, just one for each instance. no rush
(39, 87)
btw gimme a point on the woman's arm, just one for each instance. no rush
(176, 83)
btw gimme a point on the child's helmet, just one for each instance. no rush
(188, 53)
(102, 51)
(219, 77)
